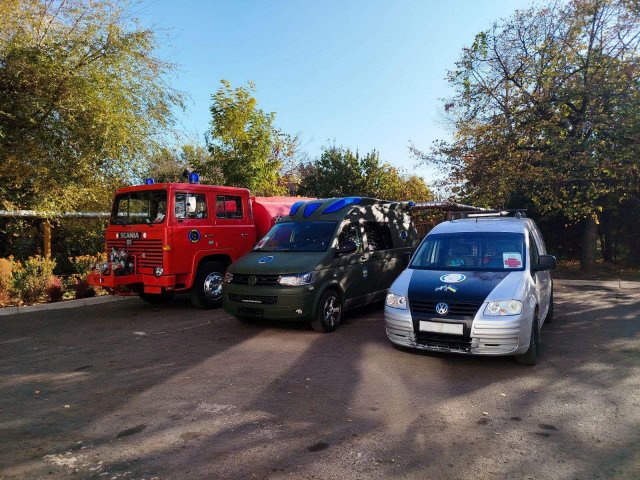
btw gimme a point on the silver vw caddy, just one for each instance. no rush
(478, 285)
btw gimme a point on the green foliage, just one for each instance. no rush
(73, 237)
(81, 100)
(32, 277)
(82, 289)
(339, 172)
(84, 264)
(245, 144)
(32, 281)
(6, 280)
(547, 110)
(55, 290)
(171, 164)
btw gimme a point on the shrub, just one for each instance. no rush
(83, 264)
(6, 280)
(55, 291)
(31, 278)
(83, 289)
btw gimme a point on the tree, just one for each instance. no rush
(171, 164)
(547, 107)
(339, 172)
(245, 144)
(82, 100)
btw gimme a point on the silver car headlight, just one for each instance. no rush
(158, 271)
(396, 301)
(297, 280)
(504, 307)
(228, 277)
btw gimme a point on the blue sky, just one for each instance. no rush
(365, 74)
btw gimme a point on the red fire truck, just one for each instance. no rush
(181, 237)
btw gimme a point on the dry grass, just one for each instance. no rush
(570, 269)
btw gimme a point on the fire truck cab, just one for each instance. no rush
(181, 237)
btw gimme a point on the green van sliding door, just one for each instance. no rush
(355, 274)
(383, 262)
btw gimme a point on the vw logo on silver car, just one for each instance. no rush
(442, 308)
(475, 286)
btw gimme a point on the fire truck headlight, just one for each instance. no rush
(159, 271)
(102, 267)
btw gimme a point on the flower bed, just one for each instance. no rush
(33, 281)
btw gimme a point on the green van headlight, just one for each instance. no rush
(297, 280)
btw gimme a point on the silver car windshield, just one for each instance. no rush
(486, 251)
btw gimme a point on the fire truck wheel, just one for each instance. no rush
(156, 299)
(207, 286)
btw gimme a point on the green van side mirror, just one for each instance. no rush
(346, 247)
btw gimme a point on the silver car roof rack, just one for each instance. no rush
(515, 212)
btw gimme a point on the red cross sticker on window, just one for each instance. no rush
(512, 260)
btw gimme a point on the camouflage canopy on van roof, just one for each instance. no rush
(335, 209)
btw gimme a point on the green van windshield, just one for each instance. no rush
(298, 237)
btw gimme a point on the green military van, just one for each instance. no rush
(327, 256)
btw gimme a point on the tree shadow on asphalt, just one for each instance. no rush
(333, 405)
(65, 362)
(590, 349)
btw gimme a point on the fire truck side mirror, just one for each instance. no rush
(191, 204)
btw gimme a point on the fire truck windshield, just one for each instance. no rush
(144, 206)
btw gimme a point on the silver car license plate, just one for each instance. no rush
(437, 327)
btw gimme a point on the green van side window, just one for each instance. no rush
(378, 236)
(351, 231)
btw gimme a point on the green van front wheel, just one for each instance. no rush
(328, 313)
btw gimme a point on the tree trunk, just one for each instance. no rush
(606, 236)
(46, 225)
(589, 246)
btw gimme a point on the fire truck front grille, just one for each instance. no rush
(148, 252)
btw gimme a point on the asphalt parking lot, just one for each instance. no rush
(129, 391)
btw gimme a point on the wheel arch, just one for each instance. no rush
(332, 285)
(222, 258)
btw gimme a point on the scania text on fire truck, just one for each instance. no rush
(181, 237)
